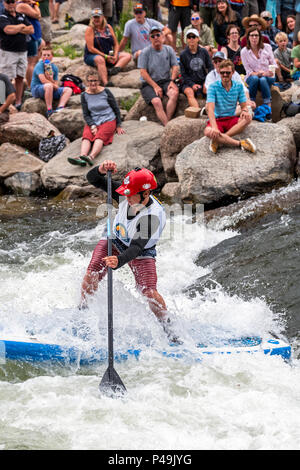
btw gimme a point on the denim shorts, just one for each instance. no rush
(89, 59)
(33, 47)
(39, 92)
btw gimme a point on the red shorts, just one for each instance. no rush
(105, 132)
(225, 123)
(144, 269)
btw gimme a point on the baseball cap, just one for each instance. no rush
(219, 55)
(138, 7)
(97, 12)
(155, 28)
(192, 31)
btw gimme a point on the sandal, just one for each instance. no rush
(76, 161)
(87, 160)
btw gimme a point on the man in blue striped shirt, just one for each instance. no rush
(222, 99)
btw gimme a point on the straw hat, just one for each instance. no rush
(248, 19)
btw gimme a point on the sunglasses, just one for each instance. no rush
(256, 25)
(191, 36)
(10, 1)
(225, 73)
(153, 36)
(195, 18)
(138, 12)
(267, 18)
(93, 81)
(254, 35)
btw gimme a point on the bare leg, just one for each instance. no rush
(85, 147)
(101, 67)
(172, 102)
(189, 93)
(67, 93)
(160, 113)
(124, 59)
(96, 149)
(19, 89)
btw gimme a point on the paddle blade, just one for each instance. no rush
(111, 384)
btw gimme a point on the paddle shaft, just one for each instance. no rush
(109, 276)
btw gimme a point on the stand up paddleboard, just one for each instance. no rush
(31, 349)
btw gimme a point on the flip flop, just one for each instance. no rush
(87, 159)
(76, 161)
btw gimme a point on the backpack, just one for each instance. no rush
(51, 145)
(291, 109)
(74, 82)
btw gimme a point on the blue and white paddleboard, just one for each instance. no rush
(31, 349)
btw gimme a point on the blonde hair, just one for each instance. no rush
(281, 35)
(103, 22)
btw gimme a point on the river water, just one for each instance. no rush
(214, 278)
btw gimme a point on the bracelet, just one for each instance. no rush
(105, 56)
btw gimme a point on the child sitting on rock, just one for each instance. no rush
(283, 57)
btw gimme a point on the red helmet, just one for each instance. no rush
(136, 181)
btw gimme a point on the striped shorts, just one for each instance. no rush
(144, 269)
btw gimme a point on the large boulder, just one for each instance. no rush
(69, 121)
(293, 124)
(26, 130)
(232, 173)
(178, 133)
(74, 37)
(19, 169)
(79, 10)
(139, 146)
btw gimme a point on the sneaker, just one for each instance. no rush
(49, 112)
(60, 108)
(247, 144)
(113, 71)
(213, 146)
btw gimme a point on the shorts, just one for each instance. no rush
(225, 123)
(106, 6)
(13, 64)
(144, 269)
(33, 47)
(60, 1)
(38, 92)
(90, 58)
(148, 92)
(178, 15)
(105, 132)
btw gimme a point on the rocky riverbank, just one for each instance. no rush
(178, 154)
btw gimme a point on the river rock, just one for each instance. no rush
(15, 159)
(26, 130)
(139, 146)
(293, 124)
(69, 121)
(24, 183)
(178, 133)
(232, 173)
(140, 108)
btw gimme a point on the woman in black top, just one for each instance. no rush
(224, 17)
(232, 50)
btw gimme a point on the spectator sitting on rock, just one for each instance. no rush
(283, 57)
(232, 50)
(14, 28)
(225, 16)
(102, 48)
(33, 14)
(159, 69)
(7, 97)
(137, 31)
(195, 63)
(258, 22)
(44, 83)
(103, 119)
(222, 99)
(205, 33)
(270, 30)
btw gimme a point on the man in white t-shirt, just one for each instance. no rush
(138, 30)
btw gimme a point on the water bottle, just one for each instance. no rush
(48, 68)
(111, 53)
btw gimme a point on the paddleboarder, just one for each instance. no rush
(136, 230)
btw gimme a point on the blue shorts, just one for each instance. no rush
(89, 59)
(33, 47)
(38, 92)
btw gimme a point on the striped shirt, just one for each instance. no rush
(225, 101)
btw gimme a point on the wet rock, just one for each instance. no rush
(24, 183)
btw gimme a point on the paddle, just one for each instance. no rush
(111, 383)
